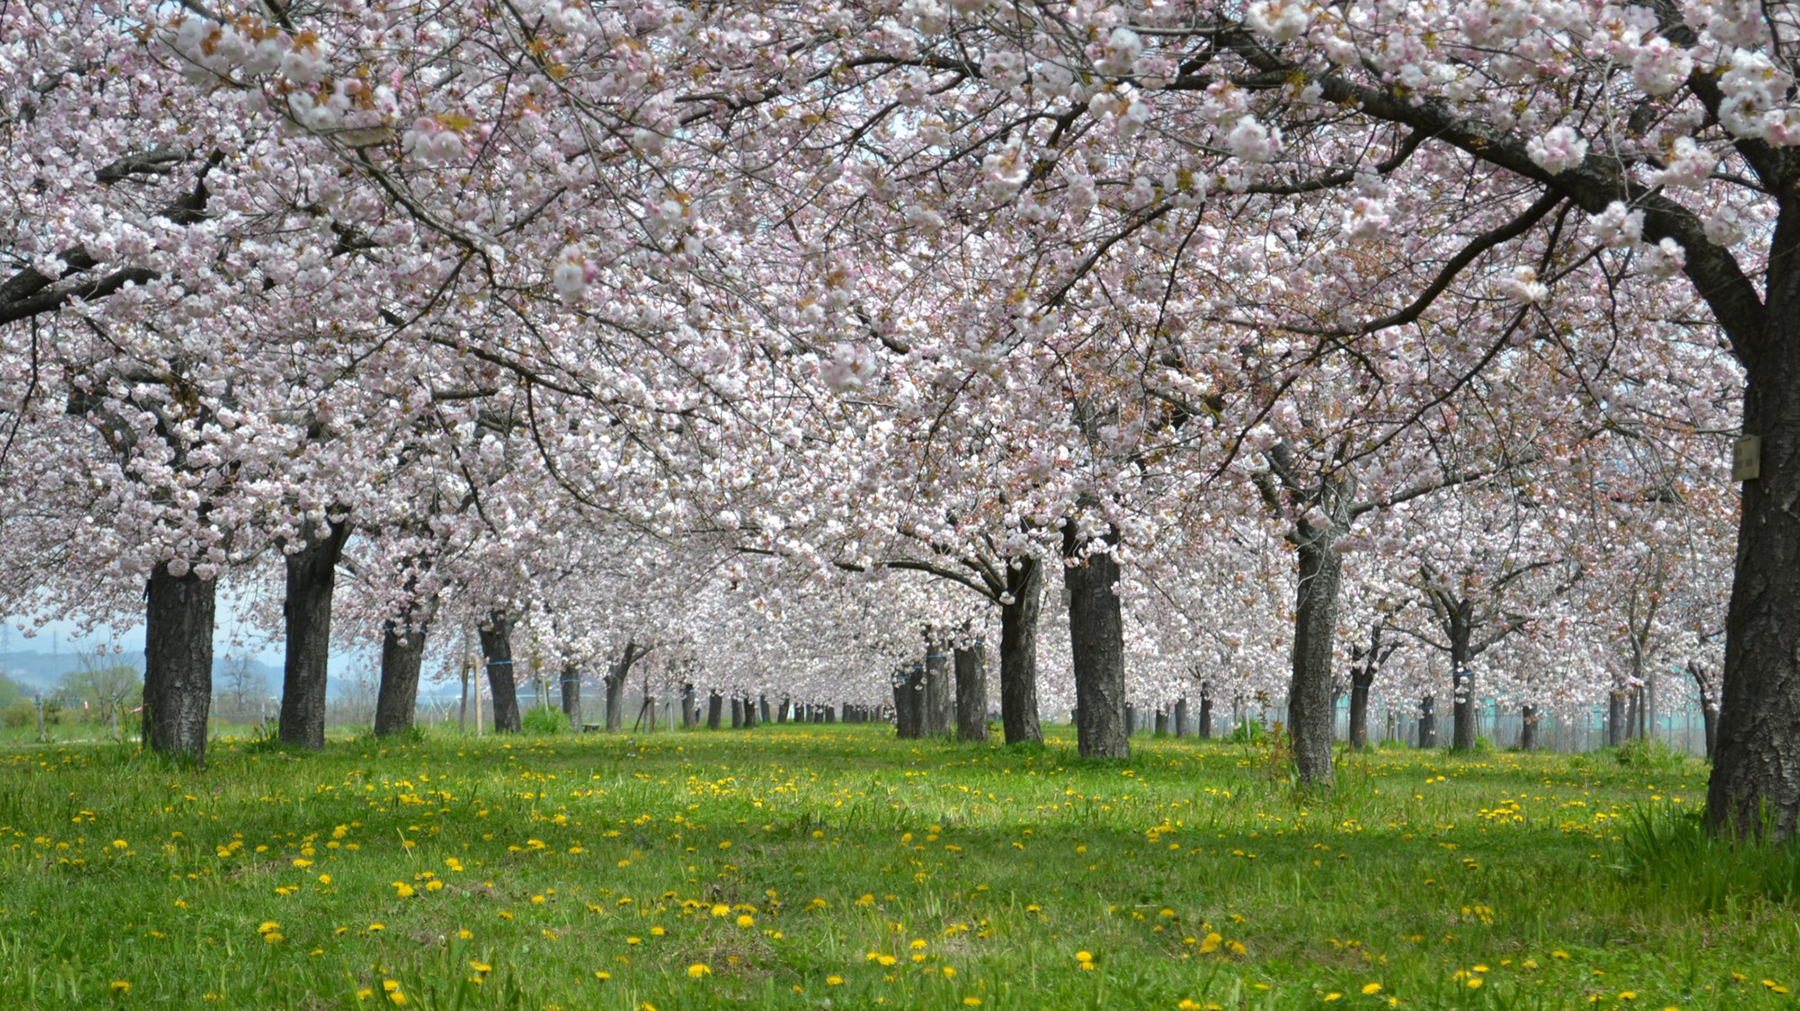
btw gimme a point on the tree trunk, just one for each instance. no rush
(937, 692)
(1359, 711)
(1462, 679)
(1181, 717)
(715, 704)
(1756, 765)
(749, 713)
(311, 579)
(496, 649)
(1131, 719)
(909, 703)
(571, 696)
(762, 705)
(1018, 651)
(397, 698)
(1310, 722)
(178, 634)
(689, 714)
(1097, 647)
(1206, 715)
(971, 693)
(1428, 722)
(1528, 728)
(1615, 718)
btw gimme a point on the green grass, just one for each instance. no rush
(923, 875)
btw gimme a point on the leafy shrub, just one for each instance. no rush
(542, 721)
(1647, 754)
(1247, 732)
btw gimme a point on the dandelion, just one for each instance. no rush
(121, 987)
(403, 889)
(699, 969)
(834, 981)
(746, 920)
(1474, 982)
(972, 1001)
(602, 976)
(1371, 989)
(1333, 996)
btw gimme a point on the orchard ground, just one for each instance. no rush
(833, 866)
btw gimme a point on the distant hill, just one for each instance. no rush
(35, 671)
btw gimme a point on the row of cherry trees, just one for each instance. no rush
(1234, 337)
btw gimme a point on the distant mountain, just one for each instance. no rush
(34, 671)
(38, 672)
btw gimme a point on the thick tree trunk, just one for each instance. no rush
(1528, 728)
(909, 703)
(1162, 722)
(1097, 645)
(1131, 720)
(1462, 679)
(178, 657)
(1018, 651)
(1359, 711)
(496, 649)
(1756, 764)
(615, 699)
(397, 698)
(571, 696)
(1428, 722)
(1310, 722)
(737, 713)
(1181, 717)
(971, 693)
(715, 704)
(781, 711)
(937, 696)
(1206, 714)
(1615, 718)
(311, 579)
(749, 713)
(762, 705)
(689, 715)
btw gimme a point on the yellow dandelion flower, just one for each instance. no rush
(121, 987)
(834, 981)
(699, 969)
(1371, 989)
(746, 920)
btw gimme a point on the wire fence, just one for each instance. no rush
(46, 720)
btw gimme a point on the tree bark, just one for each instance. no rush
(909, 697)
(1097, 645)
(1315, 624)
(1181, 717)
(749, 713)
(311, 580)
(1756, 766)
(1359, 712)
(762, 705)
(689, 714)
(496, 649)
(1528, 728)
(737, 713)
(937, 695)
(971, 693)
(715, 703)
(1615, 718)
(397, 698)
(1018, 651)
(1206, 715)
(1428, 722)
(571, 696)
(178, 657)
(781, 711)
(1462, 679)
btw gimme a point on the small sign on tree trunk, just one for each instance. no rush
(1746, 458)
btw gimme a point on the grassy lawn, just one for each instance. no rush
(832, 866)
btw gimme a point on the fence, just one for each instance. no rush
(1683, 730)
